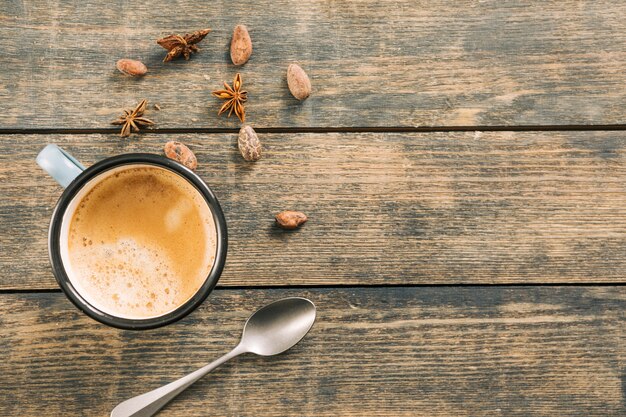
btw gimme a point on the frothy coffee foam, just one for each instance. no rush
(141, 243)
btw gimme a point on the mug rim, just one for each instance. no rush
(54, 241)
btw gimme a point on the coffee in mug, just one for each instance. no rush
(139, 243)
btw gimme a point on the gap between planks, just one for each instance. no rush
(381, 129)
(349, 286)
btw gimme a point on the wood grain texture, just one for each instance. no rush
(372, 352)
(425, 208)
(372, 63)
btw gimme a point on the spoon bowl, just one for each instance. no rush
(278, 326)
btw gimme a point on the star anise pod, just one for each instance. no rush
(235, 97)
(182, 45)
(132, 119)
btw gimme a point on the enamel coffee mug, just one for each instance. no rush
(116, 260)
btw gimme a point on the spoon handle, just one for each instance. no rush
(146, 405)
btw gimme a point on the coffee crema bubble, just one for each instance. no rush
(141, 243)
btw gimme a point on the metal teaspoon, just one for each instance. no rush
(269, 331)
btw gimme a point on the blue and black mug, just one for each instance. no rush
(136, 241)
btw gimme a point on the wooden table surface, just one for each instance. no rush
(463, 166)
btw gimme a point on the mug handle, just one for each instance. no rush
(59, 164)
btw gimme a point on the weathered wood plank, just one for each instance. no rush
(384, 208)
(372, 63)
(373, 352)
